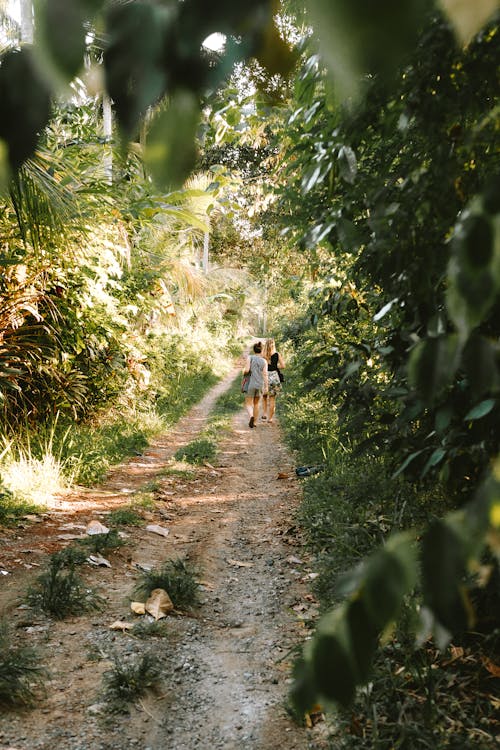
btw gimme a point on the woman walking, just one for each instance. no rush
(275, 364)
(256, 365)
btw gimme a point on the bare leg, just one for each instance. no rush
(249, 405)
(272, 407)
(264, 406)
(256, 404)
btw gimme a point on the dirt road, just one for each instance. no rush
(225, 666)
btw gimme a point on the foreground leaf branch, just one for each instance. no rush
(440, 565)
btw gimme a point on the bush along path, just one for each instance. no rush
(211, 551)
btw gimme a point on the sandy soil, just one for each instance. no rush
(225, 666)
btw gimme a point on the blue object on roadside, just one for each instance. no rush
(307, 471)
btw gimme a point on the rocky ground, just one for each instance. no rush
(225, 666)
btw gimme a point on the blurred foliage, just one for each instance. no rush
(381, 167)
(391, 199)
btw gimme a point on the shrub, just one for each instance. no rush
(127, 516)
(197, 452)
(175, 577)
(99, 543)
(126, 682)
(20, 672)
(60, 592)
(69, 557)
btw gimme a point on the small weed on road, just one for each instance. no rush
(177, 578)
(20, 672)
(126, 682)
(60, 592)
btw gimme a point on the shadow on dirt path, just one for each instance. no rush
(226, 665)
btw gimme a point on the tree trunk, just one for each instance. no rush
(107, 128)
(205, 252)
(26, 8)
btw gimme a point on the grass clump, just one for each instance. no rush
(175, 577)
(69, 557)
(127, 516)
(230, 401)
(128, 681)
(92, 450)
(99, 543)
(11, 509)
(197, 452)
(155, 629)
(60, 591)
(20, 672)
(179, 471)
(33, 468)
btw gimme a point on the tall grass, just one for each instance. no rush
(38, 464)
(11, 509)
(33, 468)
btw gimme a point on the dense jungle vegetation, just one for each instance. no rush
(328, 173)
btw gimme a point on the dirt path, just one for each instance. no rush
(225, 666)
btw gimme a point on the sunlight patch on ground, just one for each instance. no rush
(36, 480)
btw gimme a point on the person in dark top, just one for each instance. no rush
(275, 364)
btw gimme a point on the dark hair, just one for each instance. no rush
(257, 347)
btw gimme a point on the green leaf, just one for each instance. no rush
(25, 104)
(171, 141)
(481, 410)
(435, 458)
(432, 365)
(348, 166)
(350, 234)
(443, 567)
(388, 580)
(303, 694)
(475, 242)
(470, 296)
(135, 78)
(383, 311)
(407, 462)
(60, 35)
(484, 513)
(357, 37)
(311, 177)
(364, 638)
(350, 369)
(443, 418)
(479, 360)
(473, 270)
(332, 663)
